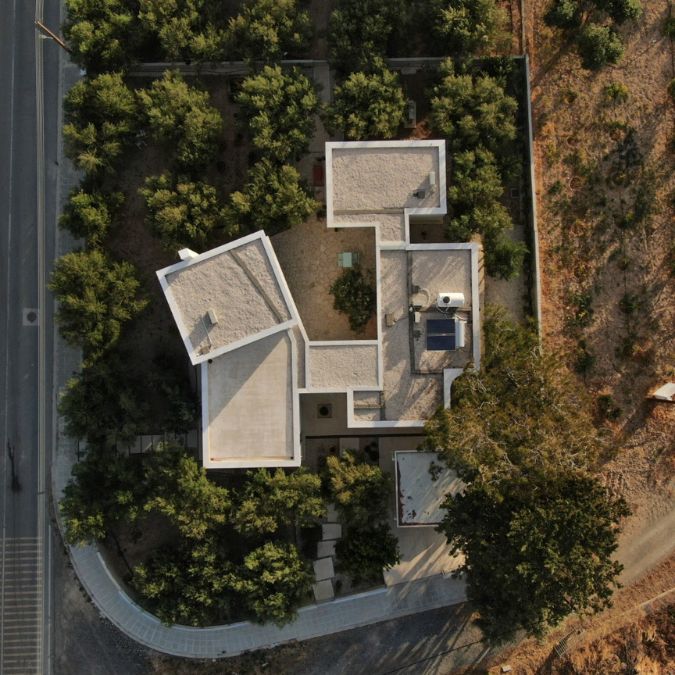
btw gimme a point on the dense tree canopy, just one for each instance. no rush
(186, 29)
(465, 26)
(268, 30)
(364, 552)
(520, 413)
(472, 110)
(599, 46)
(278, 110)
(185, 583)
(537, 551)
(368, 105)
(102, 403)
(179, 489)
(359, 31)
(95, 297)
(272, 582)
(181, 212)
(102, 34)
(88, 213)
(182, 117)
(100, 496)
(101, 119)
(270, 501)
(354, 294)
(359, 489)
(273, 200)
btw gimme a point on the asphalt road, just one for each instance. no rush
(27, 222)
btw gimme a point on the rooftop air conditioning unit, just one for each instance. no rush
(446, 301)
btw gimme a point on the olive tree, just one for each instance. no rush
(268, 30)
(181, 212)
(273, 200)
(95, 296)
(368, 105)
(88, 213)
(182, 117)
(101, 120)
(278, 110)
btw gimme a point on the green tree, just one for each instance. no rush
(89, 212)
(364, 552)
(279, 109)
(181, 212)
(186, 583)
(535, 550)
(103, 403)
(474, 205)
(272, 200)
(182, 117)
(186, 29)
(620, 10)
(272, 582)
(95, 296)
(466, 26)
(103, 35)
(354, 295)
(564, 14)
(368, 105)
(100, 496)
(599, 46)
(179, 489)
(522, 413)
(270, 501)
(472, 110)
(359, 31)
(101, 119)
(359, 490)
(268, 30)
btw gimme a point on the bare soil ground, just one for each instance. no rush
(608, 308)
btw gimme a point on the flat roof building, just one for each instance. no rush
(239, 321)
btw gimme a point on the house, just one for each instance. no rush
(264, 382)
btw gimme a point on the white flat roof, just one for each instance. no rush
(249, 406)
(418, 496)
(240, 283)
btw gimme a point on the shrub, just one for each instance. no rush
(363, 553)
(671, 89)
(607, 407)
(368, 105)
(504, 257)
(599, 46)
(669, 27)
(354, 295)
(629, 303)
(616, 92)
(620, 10)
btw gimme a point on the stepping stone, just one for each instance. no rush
(323, 569)
(323, 590)
(331, 514)
(331, 531)
(325, 548)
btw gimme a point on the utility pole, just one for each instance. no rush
(50, 34)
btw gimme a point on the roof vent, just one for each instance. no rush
(213, 319)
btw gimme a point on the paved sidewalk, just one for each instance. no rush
(113, 603)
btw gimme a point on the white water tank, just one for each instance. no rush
(449, 300)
